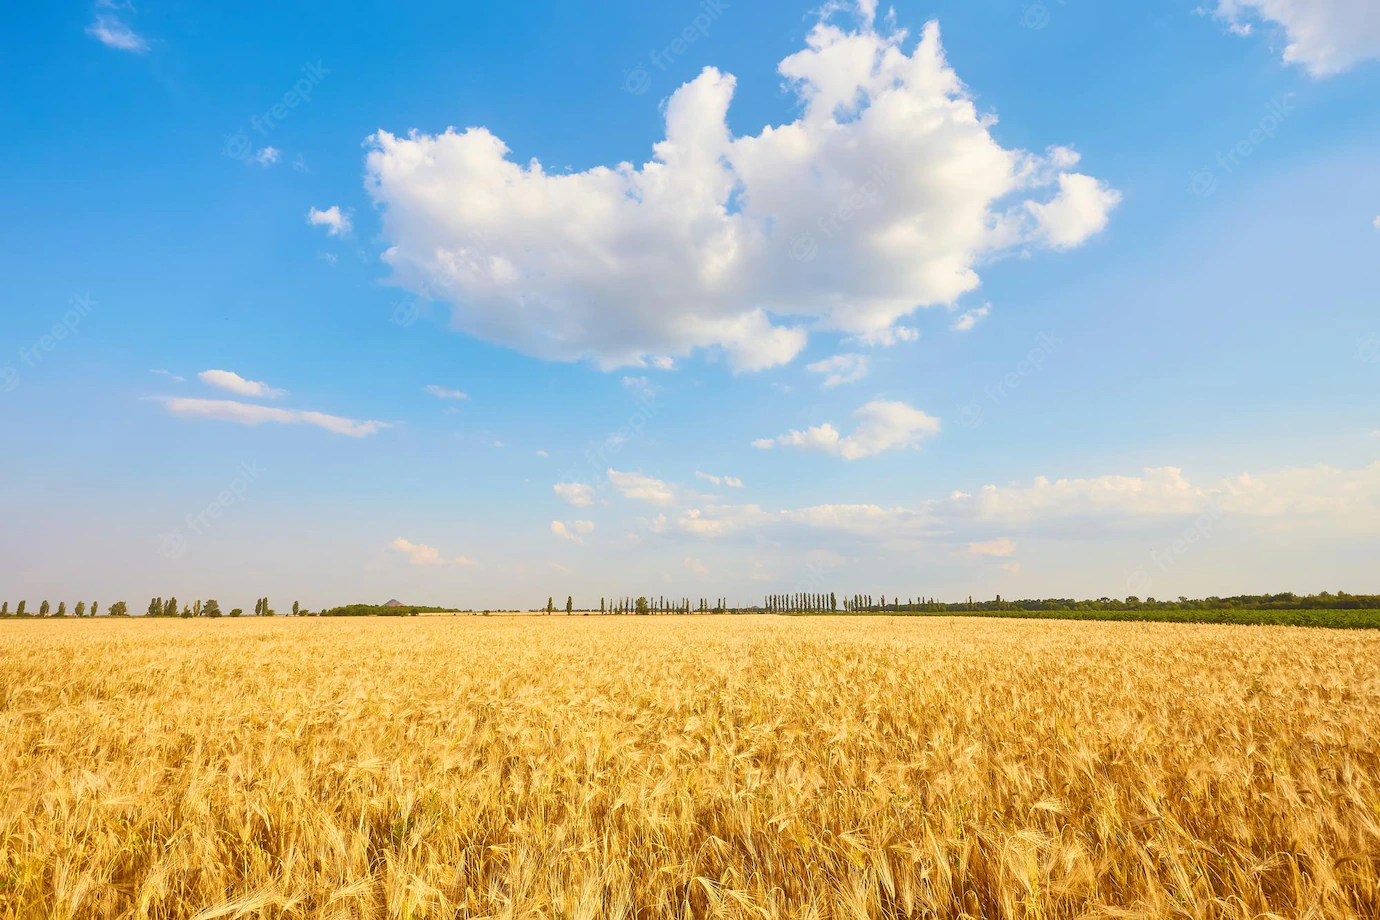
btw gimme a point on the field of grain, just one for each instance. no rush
(752, 767)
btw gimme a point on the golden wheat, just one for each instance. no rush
(686, 767)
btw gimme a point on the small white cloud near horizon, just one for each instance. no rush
(542, 453)
(1325, 37)
(336, 222)
(111, 31)
(421, 554)
(1002, 548)
(267, 157)
(577, 494)
(882, 426)
(971, 318)
(226, 410)
(572, 530)
(840, 369)
(229, 380)
(732, 482)
(445, 392)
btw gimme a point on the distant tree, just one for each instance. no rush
(5, 610)
(833, 602)
(643, 609)
(569, 605)
(196, 608)
(43, 609)
(550, 606)
(601, 606)
(62, 608)
(170, 608)
(212, 609)
(155, 608)
(19, 611)
(296, 609)
(79, 611)
(236, 612)
(119, 609)
(95, 608)
(186, 611)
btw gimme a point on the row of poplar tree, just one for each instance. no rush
(641, 606)
(118, 609)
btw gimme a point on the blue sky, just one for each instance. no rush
(1050, 299)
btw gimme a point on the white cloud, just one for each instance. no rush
(694, 565)
(1325, 36)
(225, 410)
(971, 318)
(882, 426)
(229, 380)
(882, 197)
(885, 338)
(640, 487)
(267, 156)
(445, 392)
(571, 530)
(1377, 223)
(840, 369)
(542, 453)
(641, 386)
(111, 31)
(418, 553)
(576, 493)
(169, 374)
(732, 482)
(336, 222)
(1001, 548)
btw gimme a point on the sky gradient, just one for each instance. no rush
(476, 304)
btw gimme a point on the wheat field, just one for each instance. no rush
(753, 767)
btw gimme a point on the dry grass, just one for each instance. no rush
(686, 767)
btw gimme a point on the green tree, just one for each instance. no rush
(5, 610)
(170, 608)
(155, 608)
(196, 608)
(296, 609)
(550, 606)
(79, 611)
(95, 608)
(43, 609)
(62, 608)
(236, 612)
(186, 612)
(118, 609)
(19, 611)
(643, 608)
(212, 609)
(569, 605)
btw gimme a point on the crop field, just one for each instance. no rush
(676, 767)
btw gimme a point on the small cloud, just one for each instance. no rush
(970, 319)
(732, 482)
(226, 410)
(336, 222)
(885, 338)
(445, 392)
(640, 487)
(1011, 568)
(299, 163)
(465, 562)
(229, 380)
(1377, 223)
(696, 566)
(328, 257)
(169, 374)
(577, 494)
(1001, 549)
(418, 553)
(664, 363)
(641, 386)
(840, 369)
(267, 157)
(882, 426)
(559, 568)
(111, 31)
(542, 453)
(571, 530)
